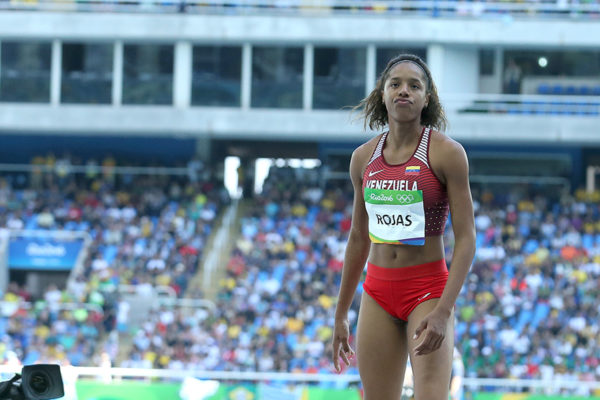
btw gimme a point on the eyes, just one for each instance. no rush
(396, 85)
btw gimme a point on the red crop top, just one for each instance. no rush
(414, 174)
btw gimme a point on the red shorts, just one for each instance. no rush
(399, 290)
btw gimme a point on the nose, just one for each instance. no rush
(403, 90)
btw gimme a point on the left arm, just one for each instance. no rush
(453, 168)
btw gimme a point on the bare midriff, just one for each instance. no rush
(397, 256)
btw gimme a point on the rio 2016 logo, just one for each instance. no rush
(405, 198)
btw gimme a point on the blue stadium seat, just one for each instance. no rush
(540, 313)
(584, 91)
(596, 90)
(31, 223)
(557, 89)
(110, 252)
(70, 226)
(543, 88)
(279, 273)
(84, 226)
(570, 90)
(525, 317)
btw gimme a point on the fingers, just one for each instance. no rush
(346, 353)
(430, 343)
(341, 349)
(347, 349)
(336, 352)
(422, 326)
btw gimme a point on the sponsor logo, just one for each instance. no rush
(371, 173)
(381, 197)
(45, 250)
(405, 198)
(424, 296)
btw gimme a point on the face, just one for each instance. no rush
(405, 92)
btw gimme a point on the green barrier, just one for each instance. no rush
(91, 390)
(135, 390)
(525, 396)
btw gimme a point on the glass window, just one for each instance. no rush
(86, 73)
(339, 79)
(216, 76)
(487, 58)
(277, 75)
(148, 74)
(25, 72)
(555, 63)
(384, 55)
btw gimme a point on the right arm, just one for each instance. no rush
(357, 252)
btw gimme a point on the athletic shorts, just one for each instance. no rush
(400, 290)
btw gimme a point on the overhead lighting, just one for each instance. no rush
(543, 62)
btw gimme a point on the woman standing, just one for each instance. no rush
(405, 182)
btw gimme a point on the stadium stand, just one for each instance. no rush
(528, 310)
(146, 232)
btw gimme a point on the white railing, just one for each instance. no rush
(470, 384)
(214, 260)
(557, 9)
(551, 386)
(521, 103)
(187, 303)
(157, 291)
(84, 169)
(54, 234)
(9, 305)
(166, 296)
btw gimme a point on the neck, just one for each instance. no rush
(404, 133)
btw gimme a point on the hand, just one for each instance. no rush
(341, 348)
(434, 325)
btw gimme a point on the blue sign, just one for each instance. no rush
(43, 253)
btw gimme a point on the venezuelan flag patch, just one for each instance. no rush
(415, 169)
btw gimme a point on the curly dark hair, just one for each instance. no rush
(375, 113)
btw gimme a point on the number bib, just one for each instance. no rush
(396, 216)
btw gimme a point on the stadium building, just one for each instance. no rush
(149, 108)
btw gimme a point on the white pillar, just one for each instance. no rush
(117, 76)
(499, 69)
(309, 73)
(590, 184)
(246, 94)
(435, 61)
(182, 75)
(55, 72)
(371, 69)
(1, 87)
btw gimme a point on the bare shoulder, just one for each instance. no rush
(366, 149)
(445, 154)
(444, 144)
(361, 155)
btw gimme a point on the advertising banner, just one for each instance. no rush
(43, 253)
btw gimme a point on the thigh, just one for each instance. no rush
(380, 350)
(432, 371)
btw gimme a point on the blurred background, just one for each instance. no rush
(175, 199)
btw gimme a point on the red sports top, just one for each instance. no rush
(403, 177)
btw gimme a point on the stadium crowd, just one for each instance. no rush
(145, 231)
(529, 308)
(451, 8)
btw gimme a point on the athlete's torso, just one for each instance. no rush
(402, 181)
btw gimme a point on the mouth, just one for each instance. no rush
(402, 101)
